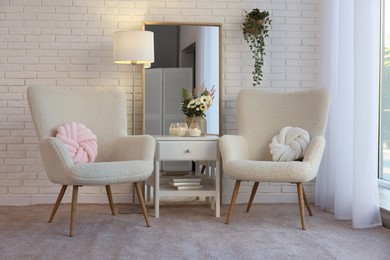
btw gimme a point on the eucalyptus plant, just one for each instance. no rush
(255, 30)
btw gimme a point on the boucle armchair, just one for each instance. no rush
(260, 116)
(120, 158)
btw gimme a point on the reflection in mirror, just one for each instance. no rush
(186, 55)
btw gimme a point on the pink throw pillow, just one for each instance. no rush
(80, 141)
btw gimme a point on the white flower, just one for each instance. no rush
(196, 105)
(209, 101)
(191, 104)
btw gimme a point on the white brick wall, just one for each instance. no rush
(69, 42)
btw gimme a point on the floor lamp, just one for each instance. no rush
(134, 48)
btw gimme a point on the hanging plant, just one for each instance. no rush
(255, 30)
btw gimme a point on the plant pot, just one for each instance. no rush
(255, 27)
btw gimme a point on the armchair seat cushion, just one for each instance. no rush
(269, 171)
(105, 173)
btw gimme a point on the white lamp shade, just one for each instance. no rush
(133, 47)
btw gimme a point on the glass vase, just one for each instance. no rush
(201, 121)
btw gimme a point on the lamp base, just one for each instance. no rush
(131, 209)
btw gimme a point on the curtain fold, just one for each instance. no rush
(347, 181)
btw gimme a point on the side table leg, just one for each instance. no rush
(156, 189)
(217, 189)
(148, 197)
(212, 203)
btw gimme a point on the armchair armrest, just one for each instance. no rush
(138, 147)
(56, 159)
(315, 150)
(233, 147)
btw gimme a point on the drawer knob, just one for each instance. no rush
(188, 151)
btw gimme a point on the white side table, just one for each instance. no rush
(203, 148)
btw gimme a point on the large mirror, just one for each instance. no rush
(186, 55)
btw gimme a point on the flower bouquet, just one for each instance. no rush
(196, 102)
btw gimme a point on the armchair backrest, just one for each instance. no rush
(262, 114)
(101, 109)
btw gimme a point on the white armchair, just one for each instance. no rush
(120, 159)
(260, 116)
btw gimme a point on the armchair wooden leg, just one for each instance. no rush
(73, 209)
(306, 202)
(254, 189)
(58, 202)
(109, 195)
(142, 202)
(301, 202)
(233, 201)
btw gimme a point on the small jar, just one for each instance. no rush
(182, 130)
(194, 129)
(173, 129)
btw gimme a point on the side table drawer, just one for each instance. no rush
(187, 150)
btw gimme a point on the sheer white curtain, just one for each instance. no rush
(347, 182)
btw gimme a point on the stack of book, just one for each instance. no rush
(186, 183)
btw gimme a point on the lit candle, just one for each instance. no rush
(182, 131)
(173, 131)
(194, 129)
(194, 132)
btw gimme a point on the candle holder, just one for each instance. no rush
(194, 129)
(178, 129)
(173, 128)
(183, 130)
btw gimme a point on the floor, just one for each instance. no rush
(268, 231)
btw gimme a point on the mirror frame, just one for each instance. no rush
(166, 23)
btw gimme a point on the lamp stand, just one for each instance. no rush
(133, 101)
(135, 208)
(133, 47)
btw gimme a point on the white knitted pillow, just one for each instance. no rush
(290, 144)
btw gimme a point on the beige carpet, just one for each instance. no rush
(269, 231)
